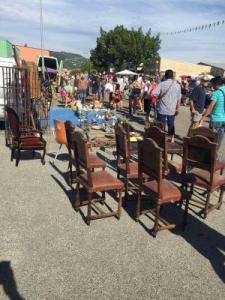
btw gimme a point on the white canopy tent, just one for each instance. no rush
(126, 73)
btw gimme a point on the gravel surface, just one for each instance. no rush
(48, 252)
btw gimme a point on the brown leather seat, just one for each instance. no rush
(133, 170)
(170, 192)
(100, 181)
(201, 178)
(219, 165)
(96, 162)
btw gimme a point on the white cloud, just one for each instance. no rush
(73, 25)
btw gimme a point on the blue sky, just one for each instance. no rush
(73, 25)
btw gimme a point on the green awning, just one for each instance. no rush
(6, 49)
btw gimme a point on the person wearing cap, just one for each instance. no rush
(216, 109)
(197, 102)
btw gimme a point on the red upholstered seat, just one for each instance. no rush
(28, 141)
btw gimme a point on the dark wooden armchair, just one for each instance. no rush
(23, 139)
(213, 137)
(199, 163)
(93, 182)
(158, 189)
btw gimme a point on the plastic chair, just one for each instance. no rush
(60, 135)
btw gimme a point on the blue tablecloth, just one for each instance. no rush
(64, 114)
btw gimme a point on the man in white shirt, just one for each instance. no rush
(109, 90)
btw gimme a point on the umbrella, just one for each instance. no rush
(126, 72)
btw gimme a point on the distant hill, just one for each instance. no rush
(71, 60)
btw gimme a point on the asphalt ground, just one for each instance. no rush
(48, 252)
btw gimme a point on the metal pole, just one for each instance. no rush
(42, 37)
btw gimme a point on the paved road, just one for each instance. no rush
(48, 252)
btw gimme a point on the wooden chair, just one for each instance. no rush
(159, 190)
(199, 163)
(213, 137)
(93, 182)
(127, 128)
(31, 140)
(159, 136)
(94, 161)
(172, 147)
(125, 167)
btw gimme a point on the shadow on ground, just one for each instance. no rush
(8, 282)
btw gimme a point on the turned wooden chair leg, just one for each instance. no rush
(77, 203)
(138, 207)
(126, 192)
(89, 209)
(43, 156)
(220, 202)
(119, 204)
(205, 213)
(103, 198)
(18, 157)
(12, 153)
(156, 225)
(185, 212)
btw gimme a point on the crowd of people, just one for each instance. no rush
(159, 97)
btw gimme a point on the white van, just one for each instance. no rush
(4, 62)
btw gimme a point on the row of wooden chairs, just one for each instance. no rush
(199, 166)
(101, 181)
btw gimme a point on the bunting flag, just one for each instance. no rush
(196, 28)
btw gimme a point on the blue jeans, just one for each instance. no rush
(83, 95)
(219, 127)
(170, 122)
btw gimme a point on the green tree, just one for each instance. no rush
(121, 48)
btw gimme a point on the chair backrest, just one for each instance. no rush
(159, 136)
(60, 132)
(81, 149)
(204, 131)
(158, 124)
(125, 125)
(70, 129)
(14, 122)
(82, 155)
(150, 161)
(199, 152)
(122, 141)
